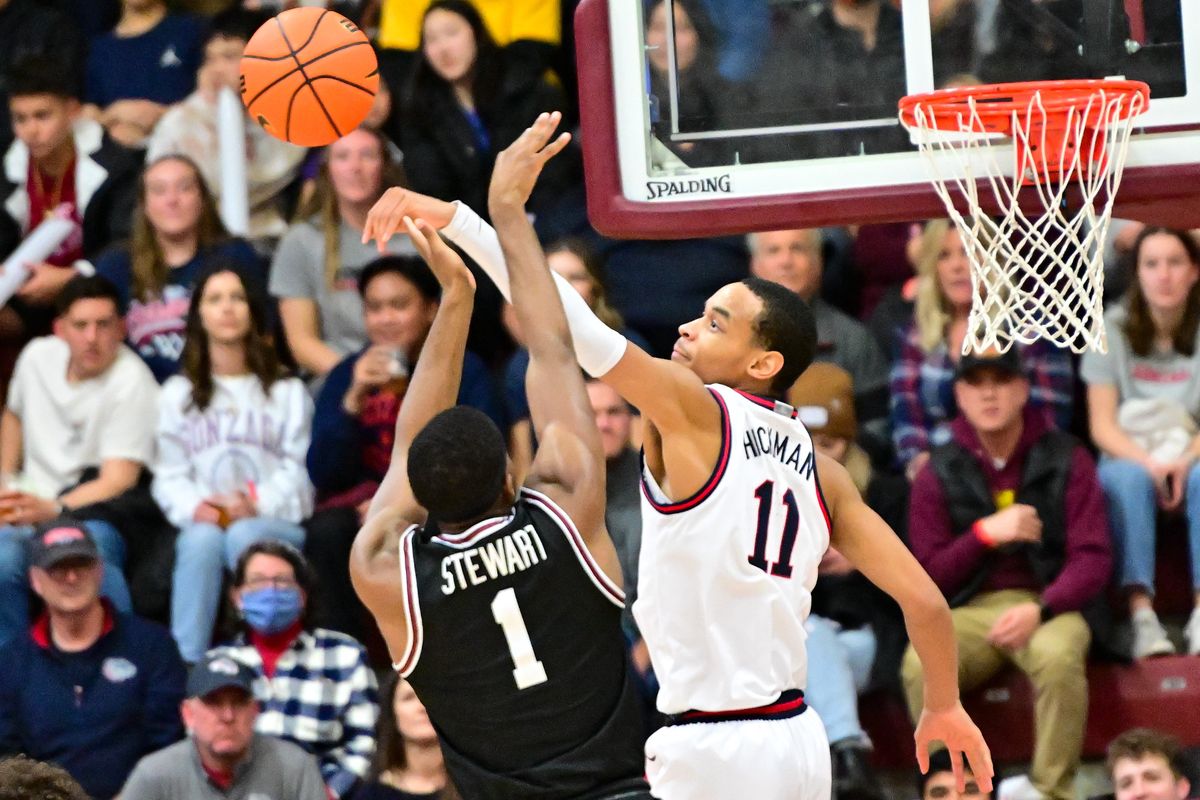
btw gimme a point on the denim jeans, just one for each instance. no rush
(1132, 510)
(839, 667)
(202, 554)
(14, 573)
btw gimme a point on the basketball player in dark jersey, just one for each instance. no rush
(501, 605)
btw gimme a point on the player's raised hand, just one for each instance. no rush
(962, 738)
(518, 167)
(446, 264)
(386, 217)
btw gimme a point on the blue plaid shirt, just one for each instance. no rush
(922, 391)
(323, 697)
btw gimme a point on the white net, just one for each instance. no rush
(1037, 269)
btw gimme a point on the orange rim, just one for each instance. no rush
(995, 103)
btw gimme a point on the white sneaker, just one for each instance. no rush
(1018, 787)
(1192, 633)
(1149, 636)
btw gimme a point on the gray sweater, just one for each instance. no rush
(275, 770)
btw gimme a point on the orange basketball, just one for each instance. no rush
(309, 76)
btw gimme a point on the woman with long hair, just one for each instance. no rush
(465, 102)
(314, 273)
(1143, 400)
(922, 378)
(176, 232)
(408, 757)
(232, 435)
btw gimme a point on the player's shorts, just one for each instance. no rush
(766, 759)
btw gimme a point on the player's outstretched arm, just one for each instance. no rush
(864, 538)
(435, 381)
(569, 465)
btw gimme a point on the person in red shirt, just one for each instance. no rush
(1008, 518)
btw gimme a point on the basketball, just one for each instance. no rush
(309, 76)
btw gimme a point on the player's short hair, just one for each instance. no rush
(88, 287)
(41, 74)
(457, 465)
(1137, 743)
(411, 268)
(785, 325)
(22, 778)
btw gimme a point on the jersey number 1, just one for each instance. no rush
(791, 525)
(529, 671)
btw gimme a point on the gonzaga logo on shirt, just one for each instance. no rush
(118, 670)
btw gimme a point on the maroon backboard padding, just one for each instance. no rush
(1159, 195)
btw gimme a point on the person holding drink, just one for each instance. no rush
(232, 433)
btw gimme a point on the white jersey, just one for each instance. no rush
(726, 575)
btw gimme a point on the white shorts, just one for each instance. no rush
(764, 759)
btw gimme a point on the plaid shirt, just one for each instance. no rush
(323, 697)
(922, 391)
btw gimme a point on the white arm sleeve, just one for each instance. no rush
(598, 347)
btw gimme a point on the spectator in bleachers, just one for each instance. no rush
(849, 616)
(232, 433)
(223, 756)
(87, 687)
(1008, 519)
(315, 271)
(190, 128)
(32, 28)
(59, 160)
(706, 100)
(464, 105)
(314, 685)
(922, 379)
(78, 403)
(793, 259)
(176, 232)
(1143, 764)
(146, 63)
(355, 419)
(574, 260)
(408, 755)
(22, 778)
(938, 782)
(1143, 407)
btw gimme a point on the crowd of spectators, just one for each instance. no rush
(195, 421)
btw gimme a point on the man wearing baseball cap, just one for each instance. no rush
(86, 687)
(223, 756)
(1008, 518)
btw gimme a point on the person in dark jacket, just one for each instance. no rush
(59, 163)
(1008, 519)
(465, 103)
(355, 418)
(86, 688)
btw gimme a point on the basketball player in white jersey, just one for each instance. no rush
(738, 509)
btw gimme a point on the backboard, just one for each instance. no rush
(726, 116)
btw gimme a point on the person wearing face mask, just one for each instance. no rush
(355, 418)
(223, 756)
(232, 433)
(314, 686)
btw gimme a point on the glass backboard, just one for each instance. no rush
(705, 117)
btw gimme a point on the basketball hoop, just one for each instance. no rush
(1059, 148)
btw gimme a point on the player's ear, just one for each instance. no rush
(766, 365)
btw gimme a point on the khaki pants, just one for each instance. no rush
(1055, 660)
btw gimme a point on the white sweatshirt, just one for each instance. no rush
(244, 441)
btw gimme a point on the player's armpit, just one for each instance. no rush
(566, 470)
(377, 574)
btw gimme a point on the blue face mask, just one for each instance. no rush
(272, 609)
